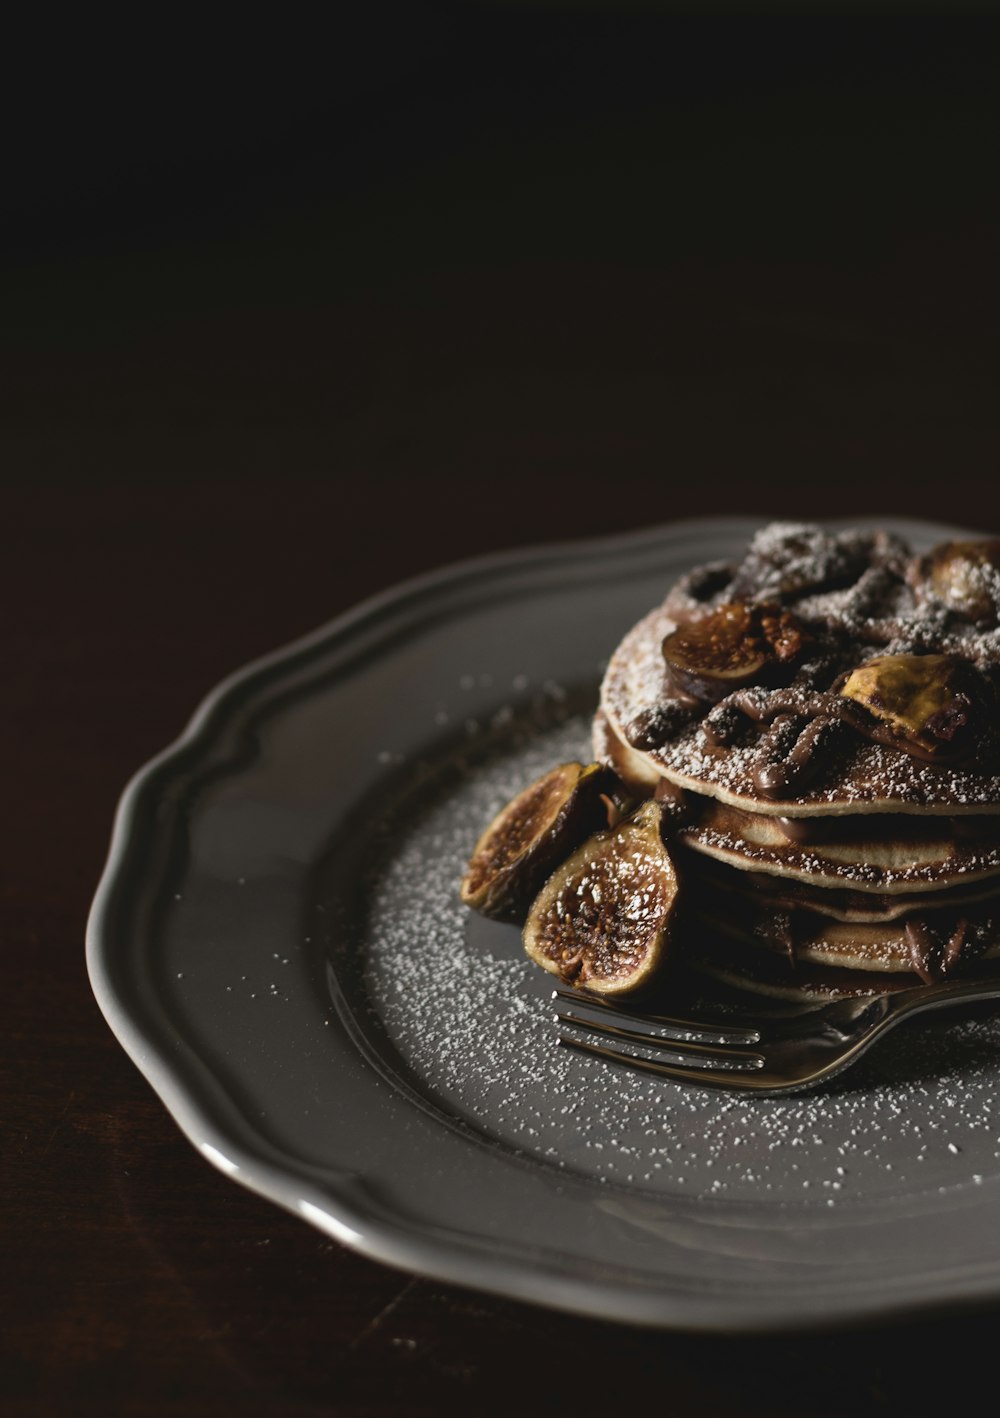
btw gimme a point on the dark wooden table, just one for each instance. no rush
(226, 423)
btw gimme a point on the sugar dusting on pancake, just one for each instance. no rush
(824, 717)
(912, 854)
(861, 776)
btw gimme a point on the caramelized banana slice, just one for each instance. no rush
(603, 919)
(928, 702)
(730, 648)
(535, 832)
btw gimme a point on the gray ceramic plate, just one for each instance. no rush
(277, 944)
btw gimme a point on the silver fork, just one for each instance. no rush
(782, 1054)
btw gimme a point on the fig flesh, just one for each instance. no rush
(536, 831)
(927, 702)
(603, 919)
(730, 648)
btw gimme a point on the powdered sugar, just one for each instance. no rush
(871, 778)
(854, 595)
(820, 868)
(470, 1016)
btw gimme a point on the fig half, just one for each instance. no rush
(603, 919)
(730, 648)
(534, 833)
(966, 577)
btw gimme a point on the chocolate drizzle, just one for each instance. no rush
(783, 928)
(653, 727)
(834, 687)
(932, 956)
(724, 726)
(804, 731)
(815, 741)
(785, 764)
(805, 612)
(773, 771)
(865, 827)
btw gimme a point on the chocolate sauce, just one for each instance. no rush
(818, 610)
(830, 714)
(877, 827)
(678, 807)
(791, 894)
(953, 950)
(792, 753)
(772, 773)
(723, 726)
(785, 933)
(653, 727)
(933, 955)
(922, 949)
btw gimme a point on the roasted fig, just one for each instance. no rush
(927, 703)
(966, 577)
(730, 648)
(603, 919)
(536, 831)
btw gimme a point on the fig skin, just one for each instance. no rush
(603, 920)
(734, 646)
(965, 576)
(927, 702)
(536, 831)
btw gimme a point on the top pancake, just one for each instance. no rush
(860, 776)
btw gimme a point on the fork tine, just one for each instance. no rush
(692, 1030)
(716, 1051)
(701, 1068)
(795, 1053)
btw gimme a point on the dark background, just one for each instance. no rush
(526, 263)
(290, 315)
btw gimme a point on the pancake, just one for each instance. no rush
(822, 723)
(759, 971)
(838, 903)
(636, 770)
(900, 855)
(860, 777)
(888, 947)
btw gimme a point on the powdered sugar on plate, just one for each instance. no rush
(470, 1018)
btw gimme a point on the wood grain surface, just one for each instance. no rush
(231, 409)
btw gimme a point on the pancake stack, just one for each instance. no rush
(822, 724)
